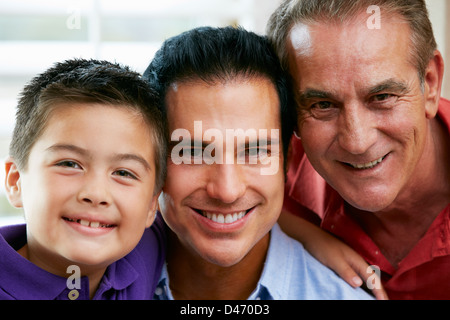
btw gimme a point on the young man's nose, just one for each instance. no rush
(226, 182)
(356, 129)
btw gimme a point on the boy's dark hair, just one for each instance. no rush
(87, 82)
(220, 55)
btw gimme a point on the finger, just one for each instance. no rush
(349, 275)
(372, 280)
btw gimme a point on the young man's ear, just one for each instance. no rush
(433, 83)
(152, 213)
(13, 183)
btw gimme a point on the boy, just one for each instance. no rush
(87, 163)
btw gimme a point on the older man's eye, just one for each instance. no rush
(323, 110)
(322, 105)
(381, 97)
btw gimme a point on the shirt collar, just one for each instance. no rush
(21, 278)
(24, 280)
(271, 283)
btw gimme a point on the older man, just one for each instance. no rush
(230, 119)
(367, 81)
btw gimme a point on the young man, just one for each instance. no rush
(373, 125)
(86, 163)
(230, 118)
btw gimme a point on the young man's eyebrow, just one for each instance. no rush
(260, 143)
(390, 85)
(191, 143)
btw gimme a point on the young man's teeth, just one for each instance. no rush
(368, 165)
(225, 219)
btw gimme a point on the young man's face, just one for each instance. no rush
(220, 209)
(88, 190)
(364, 116)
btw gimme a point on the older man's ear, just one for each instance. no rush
(433, 84)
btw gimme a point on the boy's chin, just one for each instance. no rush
(91, 259)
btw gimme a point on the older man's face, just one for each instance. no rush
(364, 116)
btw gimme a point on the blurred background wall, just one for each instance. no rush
(36, 33)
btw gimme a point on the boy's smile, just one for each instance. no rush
(88, 191)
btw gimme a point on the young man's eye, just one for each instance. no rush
(124, 174)
(196, 152)
(253, 155)
(69, 164)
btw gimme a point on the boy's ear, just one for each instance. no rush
(13, 183)
(152, 213)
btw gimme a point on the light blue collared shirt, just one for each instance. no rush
(290, 273)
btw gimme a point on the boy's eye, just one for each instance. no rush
(69, 164)
(125, 174)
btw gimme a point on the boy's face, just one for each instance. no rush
(88, 191)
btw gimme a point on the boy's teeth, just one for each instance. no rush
(84, 223)
(94, 224)
(225, 219)
(91, 224)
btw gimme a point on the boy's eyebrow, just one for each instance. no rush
(132, 157)
(68, 147)
(85, 153)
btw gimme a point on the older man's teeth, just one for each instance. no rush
(368, 165)
(225, 219)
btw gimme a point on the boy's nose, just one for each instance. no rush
(95, 191)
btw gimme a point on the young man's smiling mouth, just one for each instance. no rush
(223, 218)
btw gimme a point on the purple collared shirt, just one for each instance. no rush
(134, 277)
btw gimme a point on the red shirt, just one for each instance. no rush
(423, 274)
